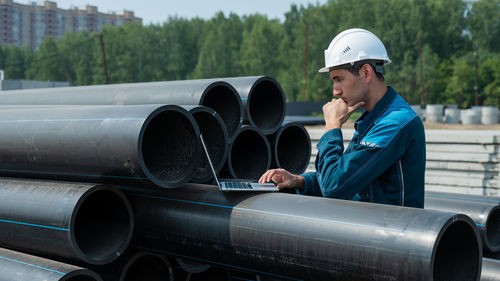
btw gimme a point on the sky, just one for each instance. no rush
(157, 11)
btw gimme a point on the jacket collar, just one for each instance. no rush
(364, 123)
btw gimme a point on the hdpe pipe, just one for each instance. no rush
(217, 95)
(294, 237)
(137, 143)
(249, 155)
(290, 148)
(22, 267)
(76, 221)
(215, 136)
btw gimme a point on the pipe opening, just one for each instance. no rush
(227, 104)
(493, 230)
(102, 226)
(293, 150)
(250, 156)
(457, 255)
(150, 268)
(170, 148)
(216, 140)
(266, 106)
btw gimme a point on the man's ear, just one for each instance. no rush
(366, 72)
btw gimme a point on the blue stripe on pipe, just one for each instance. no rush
(37, 225)
(33, 265)
(463, 198)
(244, 98)
(478, 224)
(281, 214)
(71, 174)
(218, 263)
(493, 260)
(69, 119)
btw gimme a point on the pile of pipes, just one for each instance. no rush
(109, 183)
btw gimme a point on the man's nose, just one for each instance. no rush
(337, 92)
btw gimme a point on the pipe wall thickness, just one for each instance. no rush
(306, 238)
(249, 155)
(485, 215)
(156, 143)
(22, 267)
(80, 222)
(290, 148)
(215, 135)
(217, 95)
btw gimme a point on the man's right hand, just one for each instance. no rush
(283, 179)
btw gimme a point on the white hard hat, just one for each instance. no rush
(354, 45)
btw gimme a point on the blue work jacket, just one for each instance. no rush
(384, 162)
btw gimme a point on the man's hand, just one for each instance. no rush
(337, 112)
(282, 178)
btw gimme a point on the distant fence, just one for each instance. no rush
(463, 161)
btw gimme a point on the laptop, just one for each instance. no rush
(236, 185)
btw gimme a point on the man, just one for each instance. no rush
(385, 160)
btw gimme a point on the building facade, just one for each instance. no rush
(28, 25)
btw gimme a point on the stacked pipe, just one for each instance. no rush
(131, 138)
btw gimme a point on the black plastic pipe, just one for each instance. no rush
(485, 215)
(156, 143)
(264, 103)
(76, 221)
(291, 148)
(215, 136)
(306, 238)
(137, 266)
(249, 155)
(218, 95)
(22, 267)
(490, 270)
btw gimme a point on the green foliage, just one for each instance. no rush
(446, 31)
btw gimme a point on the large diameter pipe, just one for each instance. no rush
(217, 95)
(76, 221)
(306, 238)
(485, 215)
(490, 270)
(249, 155)
(215, 136)
(291, 148)
(264, 104)
(22, 267)
(156, 143)
(137, 266)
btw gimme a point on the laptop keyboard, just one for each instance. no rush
(239, 185)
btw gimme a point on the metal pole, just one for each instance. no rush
(154, 143)
(290, 148)
(302, 237)
(217, 95)
(249, 155)
(22, 267)
(215, 135)
(75, 221)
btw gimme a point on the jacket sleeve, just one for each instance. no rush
(343, 175)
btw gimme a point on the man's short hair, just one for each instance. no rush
(377, 66)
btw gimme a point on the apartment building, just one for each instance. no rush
(28, 25)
